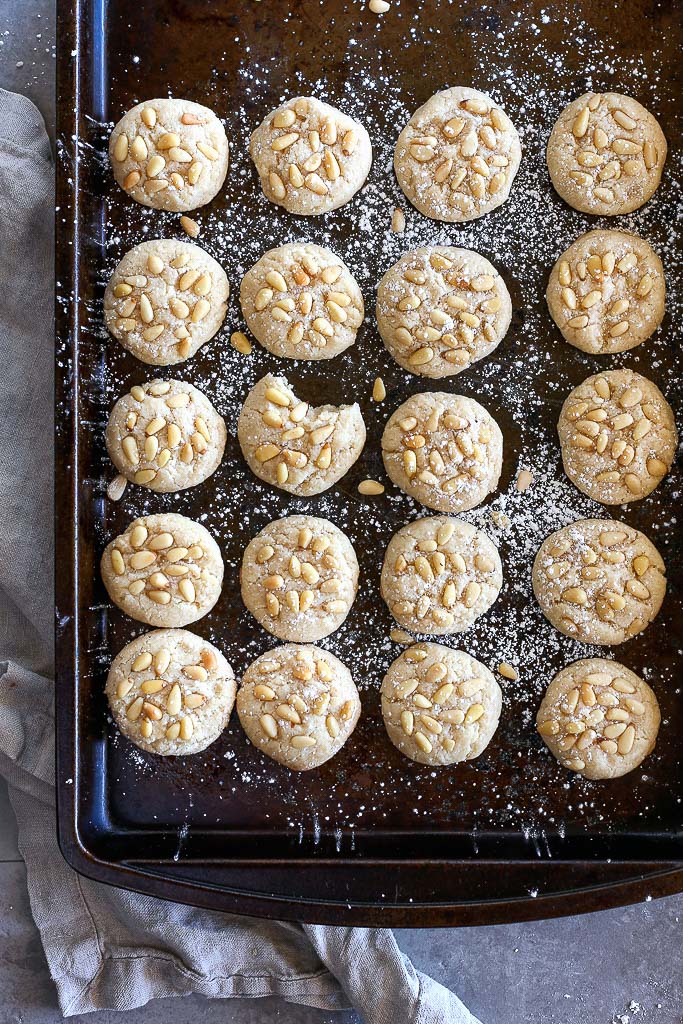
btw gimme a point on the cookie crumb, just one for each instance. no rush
(525, 478)
(500, 520)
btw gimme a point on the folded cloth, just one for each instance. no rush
(108, 948)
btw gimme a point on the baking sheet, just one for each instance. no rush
(514, 802)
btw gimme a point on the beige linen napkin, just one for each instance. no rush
(106, 947)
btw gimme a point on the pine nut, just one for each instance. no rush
(189, 226)
(302, 742)
(241, 343)
(370, 487)
(116, 487)
(131, 180)
(379, 392)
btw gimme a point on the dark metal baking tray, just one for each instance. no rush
(370, 837)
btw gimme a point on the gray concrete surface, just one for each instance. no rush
(618, 967)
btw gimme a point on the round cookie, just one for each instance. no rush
(445, 450)
(605, 154)
(299, 705)
(458, 155)
(606, 292)
(164, 300)
(165, 570)
(599, 581)
(598, 718)
(310, 157)
(171, 692)
(299, 578)
(439, 575)
(302, 302)
(618, 436)
(440, 706)
(439, 309)
(165, 435)
(288, 443)
(169, 154)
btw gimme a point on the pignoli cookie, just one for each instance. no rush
(458, 155)
(165, 435)
(299, 578)
(439, 575)
(310, 157)
(171, 692)
(606, 292)
(445, 450)
(618, 436)
(299, 705)
(288, 443)
(599, 581)
(606, 154)
(440, 706)
(302, 302)
(169, 154)
(165, 570)
(439, 309)
(164, 300)
(599, 719)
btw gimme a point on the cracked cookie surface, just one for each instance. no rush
(299, 705)
(291, 444)
(299, 578)
(311, 158)
(599, 719)
(458, 155)
(605, 154)
(170, 154)
(440, 706)
(439, 575)
(171, 692)
(599, 580)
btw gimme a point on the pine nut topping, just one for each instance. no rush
(572, 717)
(612, 463)
(609, 145)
